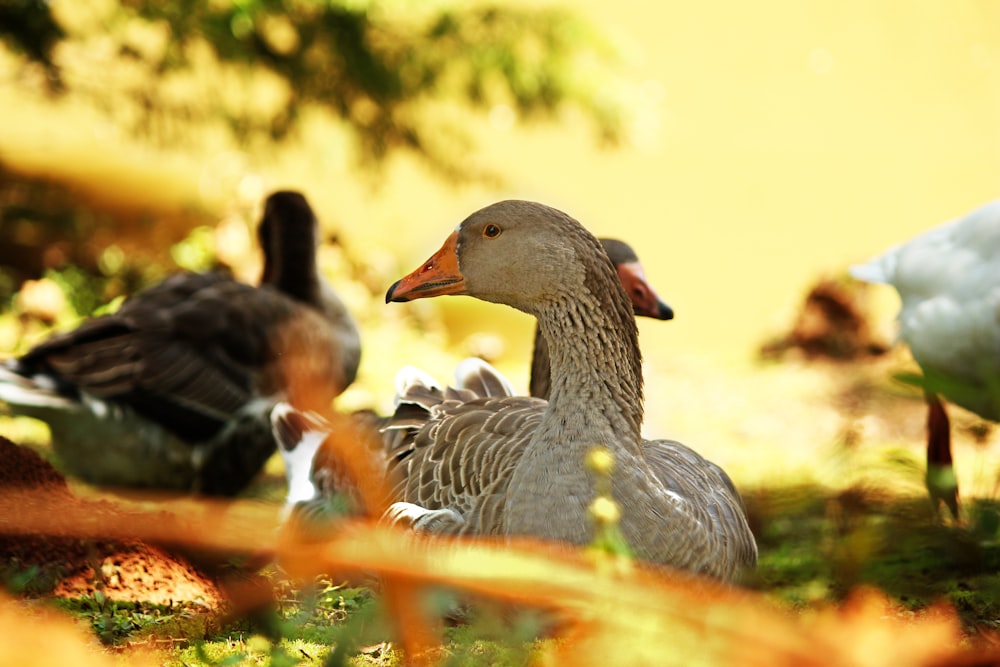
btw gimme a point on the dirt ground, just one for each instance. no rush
(123, 570)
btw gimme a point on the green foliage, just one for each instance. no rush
(255, 650)
(470, 647)
(29, 27)
(816, 547)
(26, 580)
(84, 291)
(320, 623)
(115, 621)
(197, 251)
(97, 292)
(373, 65)
(496, 635)
(8, 287)
(791, 525)
(981, 396)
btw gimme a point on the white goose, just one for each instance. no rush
(508, 466)
(948, 280)
(174, 390)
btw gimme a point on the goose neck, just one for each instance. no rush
(291, 268)
(596, 376)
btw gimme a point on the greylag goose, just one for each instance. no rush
(174, 390)
(948, 280)
(645, 302)
(512, 466)
(314, 478)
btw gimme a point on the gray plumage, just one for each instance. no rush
(515, 466)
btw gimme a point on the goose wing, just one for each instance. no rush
(187, 354)
(454, 450)
(714, 498)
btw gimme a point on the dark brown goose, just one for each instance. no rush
(174, 390)
(506, 466)
(644, 300)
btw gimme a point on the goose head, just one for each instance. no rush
(522, 254)
(288, 234)
(645, 301)
(543, 262)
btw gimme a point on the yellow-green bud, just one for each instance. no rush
(604, 511)
(600, 460)
(258, 644)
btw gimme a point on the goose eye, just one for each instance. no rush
(491, 231)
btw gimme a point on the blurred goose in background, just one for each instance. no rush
(948, 280)
(514, 466)
(174, 390)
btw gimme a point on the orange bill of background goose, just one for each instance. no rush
(174, 390)
(512, 466)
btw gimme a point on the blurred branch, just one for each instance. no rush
(642, 616)
(376, 66)
(29, 28)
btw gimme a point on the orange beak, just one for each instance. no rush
(438, 275)
(644, 300)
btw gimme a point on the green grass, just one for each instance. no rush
(815, 547)
(117, 622)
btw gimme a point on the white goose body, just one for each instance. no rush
(174, 390)
(948, 280)
(515, 466)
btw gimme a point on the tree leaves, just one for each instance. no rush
(257, 66)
